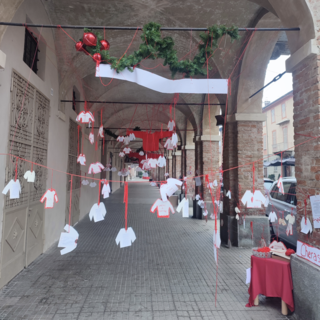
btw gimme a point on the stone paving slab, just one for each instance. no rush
(168, 273)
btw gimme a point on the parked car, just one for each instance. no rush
(283, 205)
(267, 185)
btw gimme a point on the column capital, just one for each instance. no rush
(212, 137)
(190, 147)
(307, 50)
(178, 153)
(258, 117)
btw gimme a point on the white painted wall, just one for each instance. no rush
(13, 45)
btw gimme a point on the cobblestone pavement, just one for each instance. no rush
(168, 273)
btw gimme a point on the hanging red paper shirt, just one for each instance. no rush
(163, 208)
(85, 117)
(50, 196)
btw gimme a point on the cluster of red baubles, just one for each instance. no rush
(90, 39)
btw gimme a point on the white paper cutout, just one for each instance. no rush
(169, 188)
(85, 117)
(120, 138)
(124, 172)
(127, 150)
(132, 137)
(169, 145)
(160, 84)
(221, 207)
(101, 132)
(315, 206)
(166, 174)
(113, 169)
(266, 203)
(30, 176)
(248, 276)
(228, 194)
(153, 184)
(161, 162)
(253, 200)
(81, 159)
(197, 197)
(174, 140)
(280, 185)
(291, 220)
(205, 212)
(163, 208)
(184, 204)
(91, 138)
(141, 153)
(14, 187)
(216, 244)
(95, 168)
(125, 237)
(237, 217)
(97, 212)
(273, 217)
(93, 184)
(278, 246)
(152, 163)
(85, 182)
(51, 197)
(121, 154)
(201, 204)
(171, 125)
(68, 240)
(306, 227)
(236, 209)
(105, 190)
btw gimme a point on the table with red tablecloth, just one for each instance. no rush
(272, 278)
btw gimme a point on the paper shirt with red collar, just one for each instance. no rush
(85, 117)
(121, 154)
(101, 133)
(50, 196)
(163, 208)
(126, 150)
(120, 138)
(253, 200)
(169, 144)
(152, 163)
(82, 159)
(126, 140)
(169, 188)
(95, 168)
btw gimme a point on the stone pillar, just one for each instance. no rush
(190, 167)
(178, 164)
(174, 174)
(210, 149)
(183, 161)
(199, 164)
(170, 164)
(243, 146)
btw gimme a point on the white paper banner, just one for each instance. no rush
(163, 85)
(309, 253)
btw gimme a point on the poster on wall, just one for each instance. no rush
(315, 206)
(309, 253)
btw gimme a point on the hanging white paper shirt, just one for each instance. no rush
(253, 200)
(290, 218)
(95, 168)
(163, 208)
(85, 117)
(85, 182)
(50, 196)
(127, 150)
(113, 169)
(280, 185)
(106, 190)
(91, 138)
(216, 244)
(120, 138)
(93, 184)
(125, 237)
(30, 176)
(174, 140)
(201, 204)
(121, 154)
(68, 240)
(273, 216)
(152, 163)
(315, 206)
(101, 133)
(166, 174)
(153, 184)
(228, 194)
(14, 187)
(306, 227)
(236, 209)
(160, 84)
(162, 162)
(197, 197)
(169, 188)
(145, 165)
(132, 136)
(184, 203)
(82, 159)
(97, 212)
(126, 140)
(169, 144)
(171, 125)
(141, 153)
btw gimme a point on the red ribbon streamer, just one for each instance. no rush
(251, 227)
(70, 203)
(125, 200)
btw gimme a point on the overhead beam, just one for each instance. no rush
(13, 24)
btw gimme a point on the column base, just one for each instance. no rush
(306, 293)
(239, 235)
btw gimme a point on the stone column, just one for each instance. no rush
(190, 166)
(178, 164)
(183, 161)
(242, 146)
(199, 164)
(174, 165)
(170, 164)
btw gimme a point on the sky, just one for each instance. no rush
(282, 86)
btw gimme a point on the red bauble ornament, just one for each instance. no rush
(104, 45)
(89, 39)
(79, 46)
(97, 58)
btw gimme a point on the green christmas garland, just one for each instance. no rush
(153, 47)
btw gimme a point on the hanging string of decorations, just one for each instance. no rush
(154, 46)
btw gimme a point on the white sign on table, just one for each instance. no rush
(309, 253)
(315, 206)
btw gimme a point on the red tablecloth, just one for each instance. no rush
(272, 278)
(146, 178)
